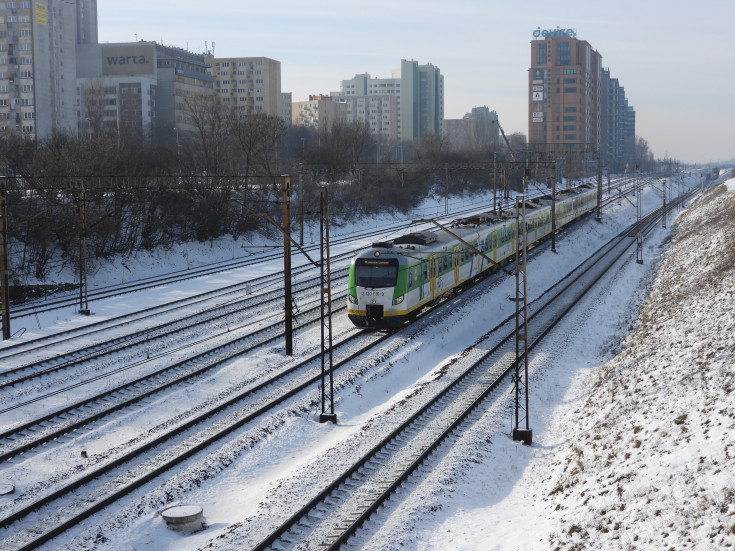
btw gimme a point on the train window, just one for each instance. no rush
(376, 273)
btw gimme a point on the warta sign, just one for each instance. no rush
(127, 59)
(554, 33)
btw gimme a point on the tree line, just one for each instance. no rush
(116, 194)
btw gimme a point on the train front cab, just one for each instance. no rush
(374, 281)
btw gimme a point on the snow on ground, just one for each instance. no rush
(633, 416)
(630, 406)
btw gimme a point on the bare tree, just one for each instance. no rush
(433, 147)
(92, 99)
(211, 121)
(258, 137)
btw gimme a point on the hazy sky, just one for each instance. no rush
(675, 58)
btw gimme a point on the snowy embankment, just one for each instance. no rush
(630, 407)
(633, 418)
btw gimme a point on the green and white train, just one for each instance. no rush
(393, 280)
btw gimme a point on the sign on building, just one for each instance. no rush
(127, 59)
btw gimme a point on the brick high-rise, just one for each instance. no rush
(565, 92)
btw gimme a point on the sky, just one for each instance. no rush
(673, 58)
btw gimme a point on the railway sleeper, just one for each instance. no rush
(315, 515)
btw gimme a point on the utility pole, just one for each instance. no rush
(446, 191)
(639, 236)
(325, 288)
(82, 212)
(4, 272)
(495, 183)
(288, 305)
(599, 187)
(553, 208)
(301, 202)
(521, 364)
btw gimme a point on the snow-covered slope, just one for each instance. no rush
(634, 434)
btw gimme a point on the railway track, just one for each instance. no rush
(55, 527)
(330, 518)
(64, 300)
(236, 313)
(50, 426)
(224, 294)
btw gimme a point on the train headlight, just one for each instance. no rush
(353, 300)
(398, 300)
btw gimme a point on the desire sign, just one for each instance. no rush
(554, 33)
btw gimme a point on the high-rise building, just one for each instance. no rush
(38, 64)
(419, 100)
(618, 124)
(249, 84)
(565, 92)
(86, 21)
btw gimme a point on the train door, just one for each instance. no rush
(457, 262)
(424, 288)
(432, 274)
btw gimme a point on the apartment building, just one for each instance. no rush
(249, 84)
(319, 112)
(38, 64)
(618, 124)
(415, 93)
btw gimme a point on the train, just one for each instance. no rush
(391, 281)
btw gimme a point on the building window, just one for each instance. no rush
(541, 53)
(563, 55)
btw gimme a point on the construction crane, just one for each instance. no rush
(507, 143)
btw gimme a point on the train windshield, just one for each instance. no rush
(376, 272)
